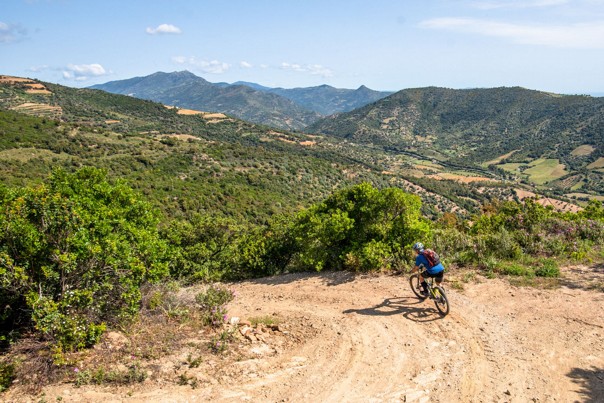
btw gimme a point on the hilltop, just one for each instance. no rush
(289, 109)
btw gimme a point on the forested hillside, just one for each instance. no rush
(283, 108)
(184, 163)
(541, 137)
(188, 160)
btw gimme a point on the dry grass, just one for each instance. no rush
(31, 108)
(459, 178)
(599, 163)
(499, 159)
(585, 149)
(558, 205)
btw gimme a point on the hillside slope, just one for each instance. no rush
(187, 160)
(513, 129)
(183, 162)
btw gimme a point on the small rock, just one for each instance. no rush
(245, 330)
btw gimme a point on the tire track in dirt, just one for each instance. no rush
(362, 338)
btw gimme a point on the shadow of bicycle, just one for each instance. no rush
(409, 307)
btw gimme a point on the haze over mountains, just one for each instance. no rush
(291, 109)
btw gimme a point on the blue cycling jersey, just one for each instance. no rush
(421, 260)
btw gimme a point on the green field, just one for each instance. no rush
(545, 170)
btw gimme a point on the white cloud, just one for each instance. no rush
(491, 5)
(211, 67)
(581, 35)
(163, 29)
(11, 33)
(82, 72)
(313, 69)
(246, 65)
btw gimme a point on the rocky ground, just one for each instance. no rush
(339, 337)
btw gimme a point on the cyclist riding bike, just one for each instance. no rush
(422, 265)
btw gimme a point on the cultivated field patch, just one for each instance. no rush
(42, 110)
(497, 160)
(545, 170)
(599, 163)
(585, 149)
(28, 154)
(459, 178)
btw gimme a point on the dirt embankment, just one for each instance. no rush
(347, 338)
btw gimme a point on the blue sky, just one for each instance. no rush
(548, 45)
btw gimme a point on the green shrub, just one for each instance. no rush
(212, 303)
(514, 269)
(99, 376)
(548, 268)
(220, 342)
(360, 227)
(74, 253)
(7, 375)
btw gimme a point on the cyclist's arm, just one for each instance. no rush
(419, 268)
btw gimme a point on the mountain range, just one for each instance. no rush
(290, 109)
(455, 148)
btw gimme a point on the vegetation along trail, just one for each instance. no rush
(367, 338)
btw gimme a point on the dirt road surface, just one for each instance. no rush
(355, 338)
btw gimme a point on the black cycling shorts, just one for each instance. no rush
(438, 276)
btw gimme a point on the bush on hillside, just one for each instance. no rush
(74, 253)
(360, 228)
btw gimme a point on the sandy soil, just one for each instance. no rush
(347, 338)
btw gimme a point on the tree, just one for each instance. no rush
(359, 228)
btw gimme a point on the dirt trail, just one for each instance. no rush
(368, 339)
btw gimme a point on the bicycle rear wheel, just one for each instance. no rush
(441, 301)
(416, 285)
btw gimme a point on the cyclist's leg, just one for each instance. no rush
(439, 277)
(422, 280)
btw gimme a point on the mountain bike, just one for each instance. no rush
(435, 292)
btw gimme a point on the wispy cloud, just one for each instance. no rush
(163, 29)
(313, 69)
(38, 69)
(211, 67)
(245, 65)
(588, 35)
(10, 33)
(491, 5)
(82, 72)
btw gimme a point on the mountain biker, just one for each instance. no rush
(425, 270)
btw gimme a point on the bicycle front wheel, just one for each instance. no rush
(416, 285)
(441, 301)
